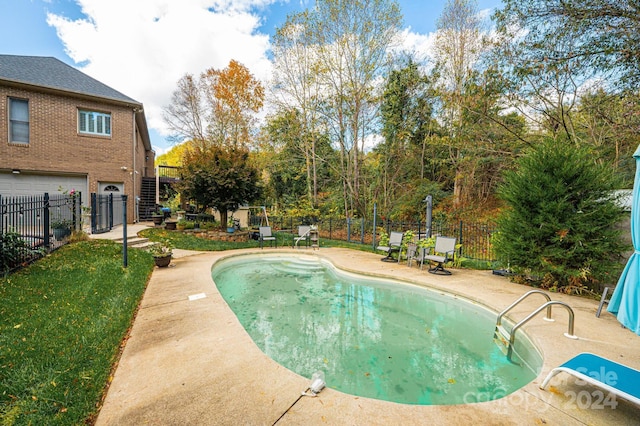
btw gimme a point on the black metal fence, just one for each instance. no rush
(33, 225)
(474, 238)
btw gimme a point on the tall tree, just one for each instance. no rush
(296, 86)
(459, 43)
(218, 107)
(352, 38)
(186, 114)
(604, 34)
(234, 96)
(406, 116)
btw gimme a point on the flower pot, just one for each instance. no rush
(230, 229)
(162, 261)
(60, 233)
(157, 219)
(170, 225)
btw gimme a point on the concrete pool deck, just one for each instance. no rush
(189, 361)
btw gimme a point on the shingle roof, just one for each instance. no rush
(54, 74)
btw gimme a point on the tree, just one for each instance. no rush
(296, 86)
(407, 123)
(219, 177)
(352, 39)
(560, 219)
(591, 34)
(219, 107)
(185, 115)
(234, 96)
(458, 46)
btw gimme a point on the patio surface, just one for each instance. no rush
(188, 361)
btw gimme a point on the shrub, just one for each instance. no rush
(559, 224)
(14, 250)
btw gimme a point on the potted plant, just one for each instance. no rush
(61, 228)
(170, 225)
(230, 225)
(161, 252)
(157, 218)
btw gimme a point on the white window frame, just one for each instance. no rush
(13, 120)
(94, 123)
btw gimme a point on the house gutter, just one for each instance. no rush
(135, 170)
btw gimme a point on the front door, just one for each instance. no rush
(116, 189)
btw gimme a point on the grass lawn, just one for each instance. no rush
(64, 318)
(188, 241)
(62, 322)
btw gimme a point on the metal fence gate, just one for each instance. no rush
(106, 212)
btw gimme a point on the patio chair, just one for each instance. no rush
(265, 235)
(615, 378)
(395, 245)
(412, 250)
(420, 256)
(304, 232)
(443, 252)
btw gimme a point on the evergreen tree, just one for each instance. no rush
(561, 217)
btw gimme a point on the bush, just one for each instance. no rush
(14, 250)
(559, 224)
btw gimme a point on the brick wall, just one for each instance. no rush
(56, 146)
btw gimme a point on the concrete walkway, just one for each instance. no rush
(188, 361)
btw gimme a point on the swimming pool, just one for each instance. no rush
(371, 337)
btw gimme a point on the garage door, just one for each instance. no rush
(12, 184)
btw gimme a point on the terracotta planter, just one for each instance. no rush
(162, 262)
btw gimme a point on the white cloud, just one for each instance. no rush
(141, 48)
(420, 44)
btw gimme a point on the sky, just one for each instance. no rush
(143, 47)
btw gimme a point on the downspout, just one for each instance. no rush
(135, 171)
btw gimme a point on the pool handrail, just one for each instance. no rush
(520, 299)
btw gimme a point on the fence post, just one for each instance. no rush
(125, 260)
(375, 213)
(94, 213)
(45, 218)
(460, 240)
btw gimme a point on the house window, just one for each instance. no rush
(94, 123)
(111, 188)
(18, 121)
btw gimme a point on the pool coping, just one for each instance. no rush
(188, 359)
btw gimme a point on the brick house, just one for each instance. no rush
(61, 128)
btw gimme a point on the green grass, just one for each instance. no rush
(62, 321)
(188, 241)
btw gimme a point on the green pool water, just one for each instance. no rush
(371, 337)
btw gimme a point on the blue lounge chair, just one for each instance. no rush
(616, 378)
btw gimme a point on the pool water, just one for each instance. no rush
(371, 337)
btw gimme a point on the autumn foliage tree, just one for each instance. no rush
(217, 114)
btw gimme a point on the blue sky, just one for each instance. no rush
(142, 47)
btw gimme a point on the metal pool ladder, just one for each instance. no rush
(505, 339)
